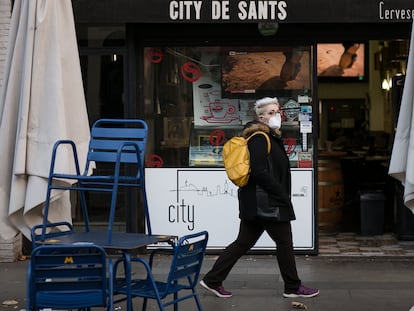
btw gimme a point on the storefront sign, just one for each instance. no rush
(242, 11)
(229, 10)
(388, 11)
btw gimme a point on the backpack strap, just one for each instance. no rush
(269, 145)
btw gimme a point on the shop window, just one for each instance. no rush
(346, 123)
(198, 97)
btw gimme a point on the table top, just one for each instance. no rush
(120, 240)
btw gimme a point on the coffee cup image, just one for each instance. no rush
(204, 90)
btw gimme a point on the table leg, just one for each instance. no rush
(127, 268)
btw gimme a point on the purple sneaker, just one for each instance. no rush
(302, 291)
(219, 291)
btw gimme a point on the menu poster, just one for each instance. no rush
(210, 108)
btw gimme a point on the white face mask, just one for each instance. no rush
(275, 121)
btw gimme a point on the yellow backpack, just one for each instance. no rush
(236, 158)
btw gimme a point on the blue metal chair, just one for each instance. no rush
(54, 230)
(120, 144)
(69, 277)
(182, 278)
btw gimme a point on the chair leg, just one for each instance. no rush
(127, 269)
(175, 304)
(46, 209)
(112, 211)
(160, 304)
(144, 304)
(147, 216)
(84, 209)
(198, 302)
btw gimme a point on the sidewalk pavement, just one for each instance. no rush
(345, 283)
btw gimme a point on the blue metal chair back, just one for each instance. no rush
(118, 141)
(68, 277)
(187, 261)
(120, 144)
(54, 230)
(182, 278)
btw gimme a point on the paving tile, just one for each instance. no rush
(352, 244)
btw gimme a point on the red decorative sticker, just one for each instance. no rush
(232, 109)
(291, 143)
(217, 137)
(154, 55)
(191, 71)
(154, 160)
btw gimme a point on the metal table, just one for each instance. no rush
(122, 241)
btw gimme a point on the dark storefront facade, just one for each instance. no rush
(172, 63)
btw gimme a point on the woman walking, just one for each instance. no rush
(264, 205)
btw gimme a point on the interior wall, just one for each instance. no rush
(377, 96)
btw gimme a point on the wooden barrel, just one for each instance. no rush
(330, 195)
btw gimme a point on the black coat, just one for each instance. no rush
(277, 183)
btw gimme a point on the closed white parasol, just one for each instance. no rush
(42, 101)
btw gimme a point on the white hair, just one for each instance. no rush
(260, 104)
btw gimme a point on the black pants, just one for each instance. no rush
(249, 233)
